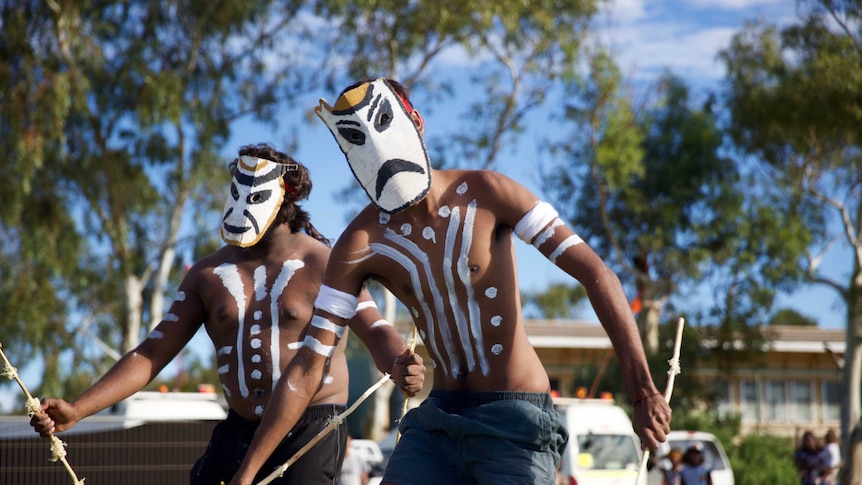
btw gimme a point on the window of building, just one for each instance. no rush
(831, 401)
(748, 400)
(775, 401)
(801, 397)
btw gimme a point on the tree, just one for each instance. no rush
(795, 100)
(650, 191)
(121, 109)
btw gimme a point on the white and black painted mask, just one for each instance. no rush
(256, 194)
(382, 145)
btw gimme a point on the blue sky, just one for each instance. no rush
(648, 37)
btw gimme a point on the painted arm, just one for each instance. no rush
(387, 347)
(537, 223)
(133, 371)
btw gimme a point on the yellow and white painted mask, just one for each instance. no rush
(256, 194)
(383, 146)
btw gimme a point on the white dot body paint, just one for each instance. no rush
(180, 296)
(156, 335)
(256, 374)
(225, 350)
(491, 292)
(462, 189)
(496, 320)
(415, 312)
(444, 211)
(406, 229)
(170, 317)
(258, 411)
(429, 235)
(383, 218)
(291, 385)
(231, 279)
(496, 349)
(328, 379)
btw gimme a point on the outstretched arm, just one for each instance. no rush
(537, 223)
(132, 372)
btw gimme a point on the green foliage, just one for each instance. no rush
(760, 458)
(788, 316)
(559, 300)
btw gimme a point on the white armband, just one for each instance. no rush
(570, 241)
(318, 347)
(319, 322)
(338, 303)
(534, 221)
(365, 304)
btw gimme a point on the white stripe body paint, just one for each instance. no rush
(322, 323)
(380, 323)
(570, 241)
(548, 233)
(317, 346)
(436, 298)
(180, 296)
(288, 269)
(225, 350)
(448, 268)
(231, 280)
(156, 334)
(224, 369)
(410, 267)
(171, 317)
(365, 304)
(464, 274)
(230, 277)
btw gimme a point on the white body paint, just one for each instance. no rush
(230, 277)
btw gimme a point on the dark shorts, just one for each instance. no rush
(231, 438)
(479, 438)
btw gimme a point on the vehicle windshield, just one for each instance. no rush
(711, 456)
(607, 452)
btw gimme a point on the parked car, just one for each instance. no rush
(603, 448)
(713, 453)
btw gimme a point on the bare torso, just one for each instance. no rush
(450, 260)
(256, 311)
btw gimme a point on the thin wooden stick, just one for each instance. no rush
(411, 344)
(333, 423)
(58, 447)
(671, 376)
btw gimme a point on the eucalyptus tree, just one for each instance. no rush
(648, 187)
(795, 98)
(120, 110)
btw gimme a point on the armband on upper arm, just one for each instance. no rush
(534, 221)
(532, 229)
(335, 302)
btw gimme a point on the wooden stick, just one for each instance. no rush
(333, 423)
(58, 447)
(671, 376)
(411, 344)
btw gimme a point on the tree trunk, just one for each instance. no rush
(134, 301)
(851, 427)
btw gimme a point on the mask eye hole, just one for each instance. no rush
(352, 135)
(258, 197)
(384, 116)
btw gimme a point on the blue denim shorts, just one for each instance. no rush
(460, 437)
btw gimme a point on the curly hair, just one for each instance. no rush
(298, 185)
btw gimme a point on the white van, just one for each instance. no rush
(603, 448)
(714, 456)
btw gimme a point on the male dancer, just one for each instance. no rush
(442, 242)
(254, 297)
